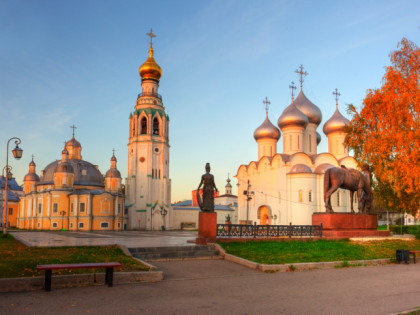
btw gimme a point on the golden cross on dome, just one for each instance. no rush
(292, 87)
(151, 36)
(336, 96)
(302, 74)
(113, 152)
(33, 157)
(266, 102)
(73, 127)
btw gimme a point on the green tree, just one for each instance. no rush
(385, 134)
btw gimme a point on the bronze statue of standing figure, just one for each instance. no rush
(207, 181)
(350, 179)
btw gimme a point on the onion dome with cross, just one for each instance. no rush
(267, 129)
(337, 122)
(150, 69)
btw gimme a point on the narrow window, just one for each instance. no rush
(143, 124)
(155, 126)
(119, 225)
(300, 196)
(338, 198)
(82, 207)
(126, 211)
(310, 143)
(81, 225)
(55, 207)
(10, 211)
(71, 207)
(71, 225)
(310, 196)
(39, 208)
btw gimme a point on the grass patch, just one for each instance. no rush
(18, 260)
(287, 252)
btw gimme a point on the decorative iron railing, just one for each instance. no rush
(150, 94)
(255, 231)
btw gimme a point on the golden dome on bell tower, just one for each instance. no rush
(150, 69)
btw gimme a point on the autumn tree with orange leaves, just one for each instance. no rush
(386, 132)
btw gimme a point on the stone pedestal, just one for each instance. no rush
(207, 227)
(344, 225)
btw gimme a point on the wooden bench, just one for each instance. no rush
(414, 252)
(108, 265)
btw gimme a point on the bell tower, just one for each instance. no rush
(148, 187)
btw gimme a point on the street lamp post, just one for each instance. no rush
(17, 153)
(163, 212)
(248, 195)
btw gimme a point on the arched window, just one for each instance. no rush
(155, 126)
(54, 225)
(134, 128)
(143, 125)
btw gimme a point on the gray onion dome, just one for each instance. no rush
(318, 138)
(336, 123)
(292, 116)
(267, 130)
(308, 108)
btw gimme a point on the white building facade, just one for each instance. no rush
(148, 186)
(288, 187)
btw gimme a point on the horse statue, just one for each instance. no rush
(350, 179)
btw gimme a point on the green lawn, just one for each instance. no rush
(272, 252)
(18, 260)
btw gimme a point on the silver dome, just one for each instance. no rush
(336, 123)
(308, 108)
(318, 138)
(267, 130)
(292, 116)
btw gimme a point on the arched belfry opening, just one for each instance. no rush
(156, 126)
(143, 126)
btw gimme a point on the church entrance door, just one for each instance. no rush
(264, 215)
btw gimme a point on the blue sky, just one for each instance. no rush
(76, 62)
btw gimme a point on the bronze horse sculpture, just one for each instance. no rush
(350, 179)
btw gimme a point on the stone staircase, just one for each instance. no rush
(175, 253)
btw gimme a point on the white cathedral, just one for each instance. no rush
(148, 186)
(288, 187)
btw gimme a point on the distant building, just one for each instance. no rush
(288, 187)
(14, 192)
(186, 212)
(72, 194)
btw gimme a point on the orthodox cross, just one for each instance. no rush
(336, 96)
(113, 152)
(292, 87)
(266, 102)
(302, 74)
(73, 127)
(151, 36)
(33, 157)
